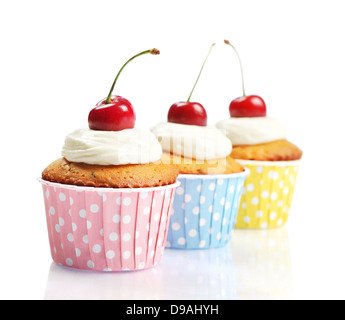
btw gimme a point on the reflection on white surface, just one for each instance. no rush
(197, 274)
(262, 264)
(255, 265)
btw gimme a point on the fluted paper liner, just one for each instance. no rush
(107, 229)
(204, 210)
(267, 194)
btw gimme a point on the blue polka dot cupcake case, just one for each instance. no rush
(205, 210)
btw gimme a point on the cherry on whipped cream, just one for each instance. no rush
(246, 106)
(115, 113)
(190, 113)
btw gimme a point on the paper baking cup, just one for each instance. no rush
(107, 229)
(204, 210)
(267, 194)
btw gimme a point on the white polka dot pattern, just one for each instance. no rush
(205, 211)
(107, 230)
(267, 194)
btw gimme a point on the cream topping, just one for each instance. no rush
(196, 142)
(130, 146)
(250, 131)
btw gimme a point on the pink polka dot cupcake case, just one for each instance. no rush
(107, 229)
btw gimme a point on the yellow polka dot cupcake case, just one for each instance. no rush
(267, 194)
(260, 144)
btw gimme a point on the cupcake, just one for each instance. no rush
(108, 199)
(206, 202)
(260, 144)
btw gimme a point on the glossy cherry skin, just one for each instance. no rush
(114, 116)
(190, 113)
(248, 106)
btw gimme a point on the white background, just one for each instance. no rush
(59, 58)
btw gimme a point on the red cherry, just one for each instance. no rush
(114, 116)
(115, 113)
(191, 113)
(248, 106)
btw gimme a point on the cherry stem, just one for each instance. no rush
(200, 72)
(152, 51)
(239, 59)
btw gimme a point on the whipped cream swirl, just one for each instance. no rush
(130, 146)
(196, 142)
(251, 131)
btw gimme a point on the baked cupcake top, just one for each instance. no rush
(280, 150)
(124, 176)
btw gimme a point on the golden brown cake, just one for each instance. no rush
(192, 166)
(280, 150)
(121, 176)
